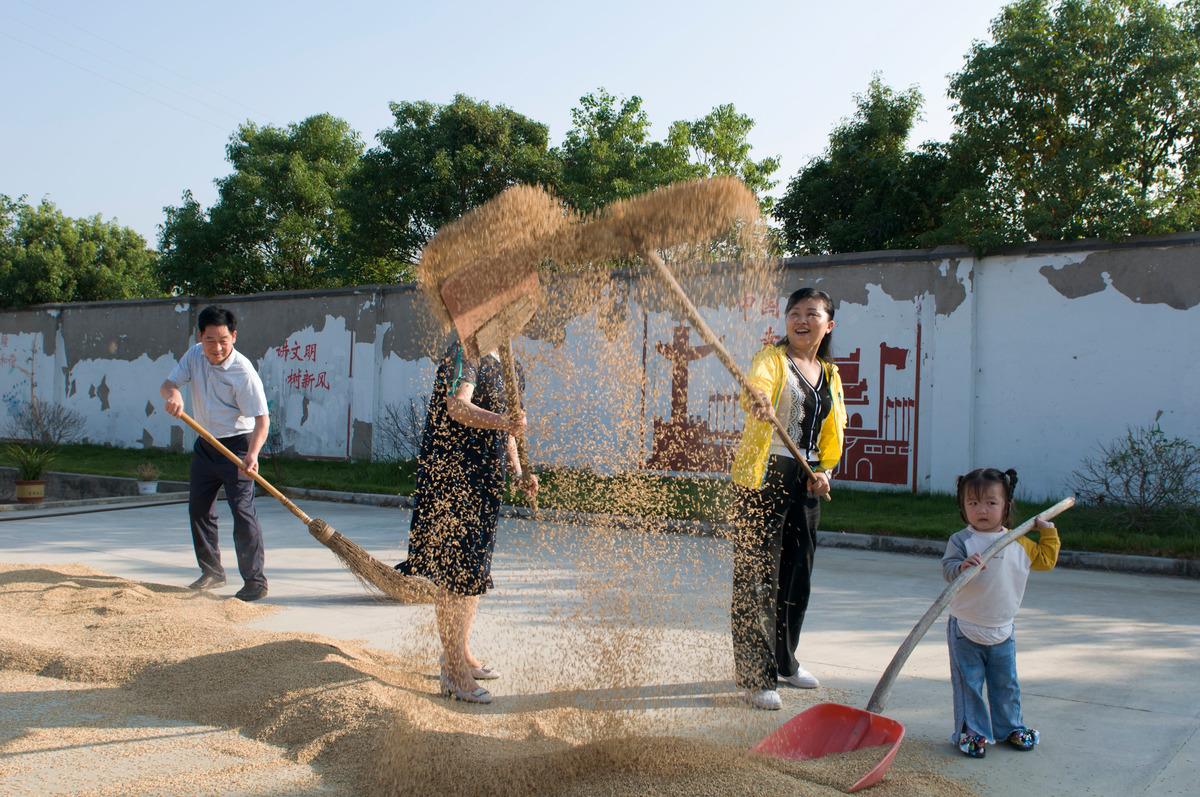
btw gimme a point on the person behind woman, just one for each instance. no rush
(980, 632)
(460, 477)
(777, 506)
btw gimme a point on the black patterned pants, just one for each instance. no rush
(775, 535)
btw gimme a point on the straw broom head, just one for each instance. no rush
(373, 574)
(683, 213)
(503, 231)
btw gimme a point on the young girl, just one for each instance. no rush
(980, 632)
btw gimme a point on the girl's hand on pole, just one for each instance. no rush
(971, 561)
(819, 485)
(1038, 523)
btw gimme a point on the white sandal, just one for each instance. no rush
(477, 695)
(484, 673)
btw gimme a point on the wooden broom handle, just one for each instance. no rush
(722, 353)
(234, 458)
(880, 695)
(513, 394)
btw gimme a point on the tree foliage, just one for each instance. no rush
(867, 191)
(608, 153)
(46, 256)
(718, 145)
(1079, 119)
(305, 207)
(432, 165)
(278, 220)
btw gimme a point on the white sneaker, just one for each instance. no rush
(766, 699)
(803, 679)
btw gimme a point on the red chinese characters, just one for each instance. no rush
(767, 304)
(291, 351)
(307, 380)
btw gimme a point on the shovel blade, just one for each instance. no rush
(831, 728)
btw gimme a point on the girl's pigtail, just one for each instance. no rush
(1010, 481)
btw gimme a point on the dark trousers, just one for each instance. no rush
(209, 473)
(775, 535)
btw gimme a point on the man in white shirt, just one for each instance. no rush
(228, 400)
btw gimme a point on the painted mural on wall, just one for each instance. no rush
(685, 441)
(883, 452)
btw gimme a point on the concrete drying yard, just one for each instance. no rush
(1108, 662)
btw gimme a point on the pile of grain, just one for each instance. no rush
(127, 656)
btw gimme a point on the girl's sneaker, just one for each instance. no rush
(972, 745)
(1024, 739)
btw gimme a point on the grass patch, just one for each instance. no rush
(1094, 528)
(355, 477)
(633, 493)
(926, 515)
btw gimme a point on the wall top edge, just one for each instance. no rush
(958, 251)
(806, 262)
(198, 300)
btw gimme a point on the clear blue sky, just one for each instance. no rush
(116, 108)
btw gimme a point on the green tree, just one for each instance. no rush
(46, 256)
(432, 165)
(277, 223)
(608, 153)
(718, 145)
(1078, 119)
(867, 191)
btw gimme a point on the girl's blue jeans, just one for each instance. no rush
(972, 666)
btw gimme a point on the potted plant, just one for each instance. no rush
(147, 476)
(31, 463)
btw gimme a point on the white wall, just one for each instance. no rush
(1026, 360)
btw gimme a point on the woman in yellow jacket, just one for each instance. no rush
(778, 508)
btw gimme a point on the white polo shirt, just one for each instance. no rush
(226, 398)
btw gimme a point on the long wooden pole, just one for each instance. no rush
(883, 689)
(513, 394)
(262, 482)
(664, 272)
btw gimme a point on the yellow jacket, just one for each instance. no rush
(768, 373)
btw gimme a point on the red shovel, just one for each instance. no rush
(828, 728)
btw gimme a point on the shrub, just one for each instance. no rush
(399, 431)
(44, 422)
(1143, 475)
(146, 472)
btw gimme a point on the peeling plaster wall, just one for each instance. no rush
(1062, 365)
(1027, 359)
